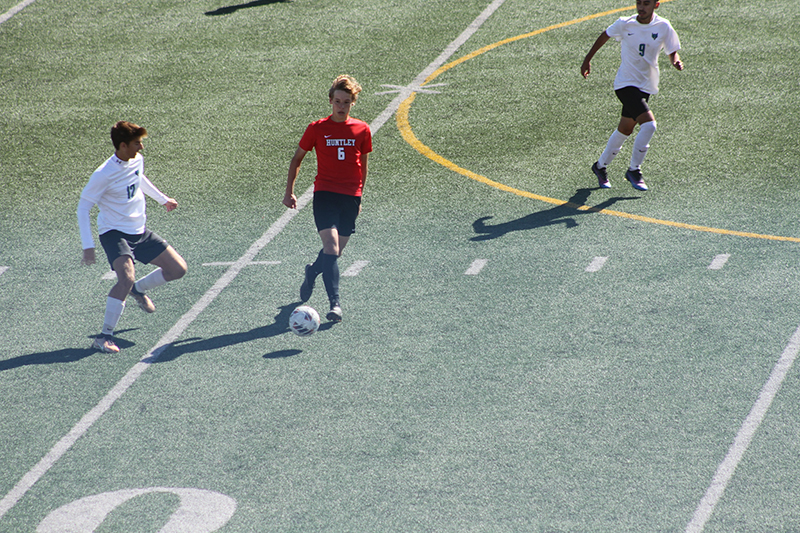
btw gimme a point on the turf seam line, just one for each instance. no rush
(66, 442)
(745, 435)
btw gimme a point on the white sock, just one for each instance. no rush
(114, 309)
(613, 147)
(151, 281)
(642, 143)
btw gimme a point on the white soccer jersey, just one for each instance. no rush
(118, 188)
(640, 47)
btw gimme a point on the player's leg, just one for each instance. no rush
(615, 142)
(172, 267)
(641, 144)
(626, 124)
(635, 110)
(613, 146)
(115, 304)
(331, 250)
(349, 209)
(152, 249)
(326, 218)
(120, 257)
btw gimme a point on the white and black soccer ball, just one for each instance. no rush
(304, 320)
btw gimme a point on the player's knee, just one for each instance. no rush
(180, 270)
(176, 270)
(124, 285)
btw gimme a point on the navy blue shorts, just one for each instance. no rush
(334, 210)
(634, 101)
(143, 248)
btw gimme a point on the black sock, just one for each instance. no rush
(318, 264)
(330, 275)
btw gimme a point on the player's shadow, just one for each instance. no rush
(65, 355)
(227, 10)
(561, 214)
(278, 327)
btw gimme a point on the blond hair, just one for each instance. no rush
(347, 84)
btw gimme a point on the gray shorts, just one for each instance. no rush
(143, 248)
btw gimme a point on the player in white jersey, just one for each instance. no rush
(118, 187)
(642, 37)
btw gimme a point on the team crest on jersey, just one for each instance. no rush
(655, 36)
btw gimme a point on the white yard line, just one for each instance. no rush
(596, 264)
(476, 267)
(728, 466)
(415, 85)
(63, 445)
(14, 10)
(719, 261)
(355, 268)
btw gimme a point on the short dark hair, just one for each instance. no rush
(124, 132)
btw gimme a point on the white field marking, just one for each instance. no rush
(415, 85)
(3, 269)
(199, 511)
(476, 267)
(61, 447)
(400, 88)
(229, 263)
(14, 10)
(110, 275)
(719, 261)
(596, 264)
(746, 432)
(355, 268)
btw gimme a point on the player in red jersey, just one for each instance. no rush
(343, 144)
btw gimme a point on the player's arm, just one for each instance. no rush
(289, 199)
(364, 168)
(675, 59)
(152, 191)
(85, 227)
(586, 66)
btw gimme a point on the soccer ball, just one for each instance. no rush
(304, 321)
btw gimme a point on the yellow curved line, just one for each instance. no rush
(408, 135)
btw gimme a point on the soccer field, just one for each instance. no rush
(521, 350)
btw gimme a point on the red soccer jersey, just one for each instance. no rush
(339, 147)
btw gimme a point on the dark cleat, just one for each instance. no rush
(602, 177)
(636, 179)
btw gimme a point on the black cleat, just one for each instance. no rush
(602, 177)
(636, 179)
(335, 314)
